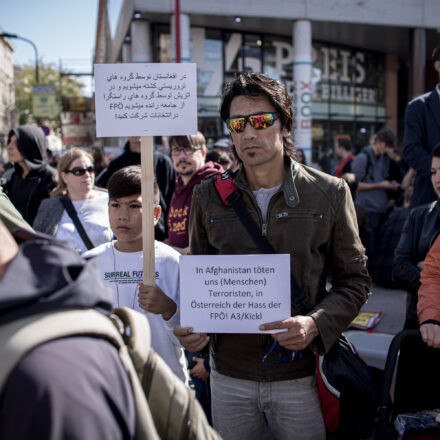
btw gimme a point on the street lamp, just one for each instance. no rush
(9, 35)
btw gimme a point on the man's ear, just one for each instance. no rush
(156, 213)
(437, 66)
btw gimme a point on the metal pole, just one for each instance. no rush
(177, 28)
(9, 35)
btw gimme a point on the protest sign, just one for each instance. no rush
(146, 100)
(233, 293)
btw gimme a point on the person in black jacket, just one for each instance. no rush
(165, 177)
(76, 387)
(31, 180)
(418, 234)
(422, 133)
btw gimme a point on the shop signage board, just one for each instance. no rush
(44, 103)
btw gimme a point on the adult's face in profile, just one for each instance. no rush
(435, 174)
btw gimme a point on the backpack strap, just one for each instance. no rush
(230, 196)
(19, 337)
(71, 211)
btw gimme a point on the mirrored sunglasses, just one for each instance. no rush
(80, 171)
(258, 121)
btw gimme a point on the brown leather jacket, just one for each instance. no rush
(312, 218)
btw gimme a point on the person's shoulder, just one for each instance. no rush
(317, 176)
(420, 100)
(166, 252)
(206, 186)
(330, 187)
(161, 158)
(424, 209)
(48, 171)
(7, 175)
(101, 194)
(102, 249)
(52, 202)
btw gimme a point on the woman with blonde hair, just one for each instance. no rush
(77, 211)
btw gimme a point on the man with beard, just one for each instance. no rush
(188, 156)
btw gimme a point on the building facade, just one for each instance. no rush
(349, 66)
(8, 112)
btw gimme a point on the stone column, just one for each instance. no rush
(391, 84)
(418, 62)
(302, 85)
(126, 53)
(141, 51)
(185, 39)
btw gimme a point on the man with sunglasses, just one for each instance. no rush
(256, 382)
(188, 157)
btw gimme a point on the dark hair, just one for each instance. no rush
(436, 151)
(352, 183)
(98, 154)
(127, 182)
(254, 85)
(189, 141)
(345, 144)
(436, 54)
(301, 151)
(220, 157)
(385, 135)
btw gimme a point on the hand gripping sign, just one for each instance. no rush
(146, 100)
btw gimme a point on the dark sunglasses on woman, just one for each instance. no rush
(80, 171)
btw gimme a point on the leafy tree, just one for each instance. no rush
(48, 74)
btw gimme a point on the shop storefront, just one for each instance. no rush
(346, 96)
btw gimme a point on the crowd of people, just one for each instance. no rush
(340, 225)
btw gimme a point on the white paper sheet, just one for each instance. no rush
(145, 99)
(233, 293)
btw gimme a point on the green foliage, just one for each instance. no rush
(48, 74)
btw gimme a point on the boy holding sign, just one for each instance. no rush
(121, 263)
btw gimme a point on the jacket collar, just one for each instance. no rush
(291, 197)
(433, 102)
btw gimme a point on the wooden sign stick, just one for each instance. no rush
(147, 188)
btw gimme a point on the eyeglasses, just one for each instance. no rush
(258, 121)
(80, 171)
(187, 151)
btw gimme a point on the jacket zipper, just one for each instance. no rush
(299, 214)
(221, 219)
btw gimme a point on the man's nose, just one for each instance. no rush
(249, 132)
(123, 213)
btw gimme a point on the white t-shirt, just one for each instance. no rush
(122, 271)
(263, 196)
(93, 214)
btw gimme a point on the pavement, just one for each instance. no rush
(373, 346)
(392, 302)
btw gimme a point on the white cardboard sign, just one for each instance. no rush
(233, 293)
(145, 99)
